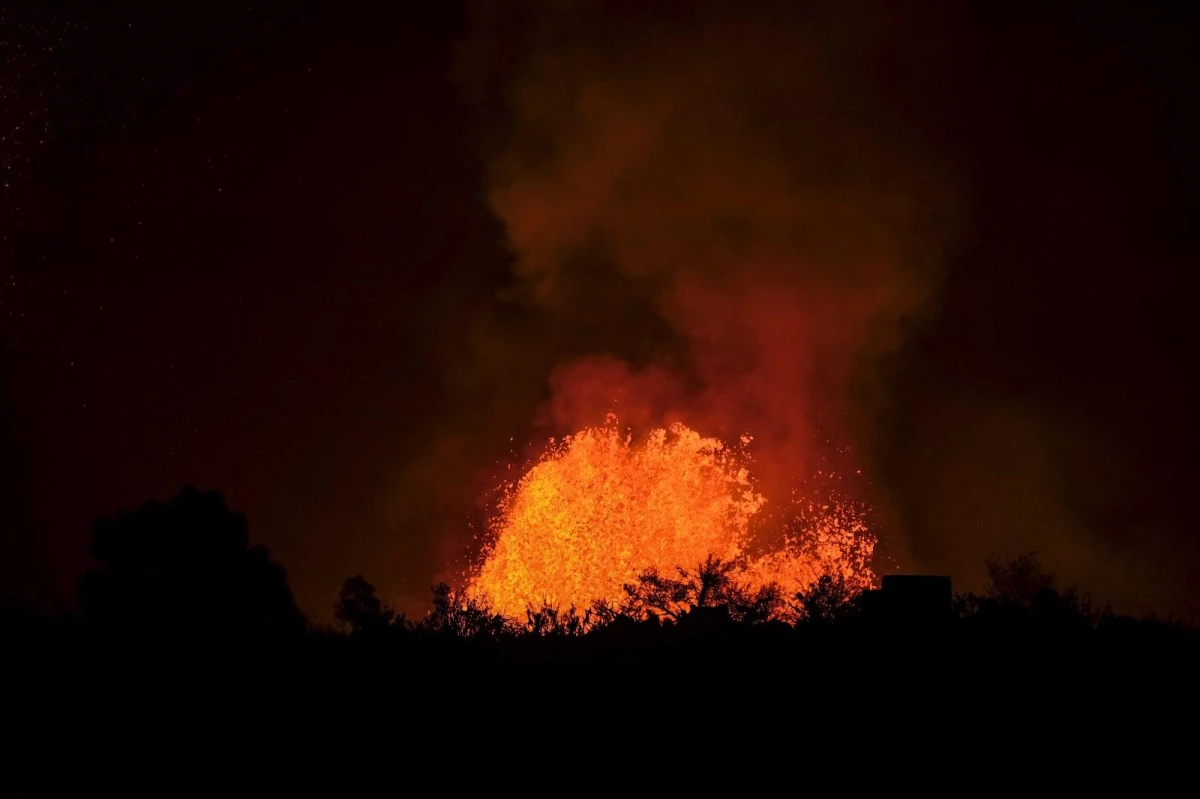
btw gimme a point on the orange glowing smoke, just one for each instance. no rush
(599, 509)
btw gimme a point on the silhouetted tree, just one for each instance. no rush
(548, 620)
(826, 601)
(361, 610)
(1017, 581)
(462, 616)
(606, 612)
(1020, 588)
(709, 586)
(185, 568)
(761, 606)
(656, 594)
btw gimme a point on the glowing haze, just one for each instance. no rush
(601, 508)
(725, 230)
(738, 174)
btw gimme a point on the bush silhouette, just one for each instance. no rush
(709, 589)
(1021, 594)
(825, 602)
(458, 615)
(550, 620)
(1018, 581)
(185, 569)
(361, 611)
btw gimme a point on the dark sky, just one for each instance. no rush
(331, 258)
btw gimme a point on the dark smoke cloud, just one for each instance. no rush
(750, 172)
(930, 236)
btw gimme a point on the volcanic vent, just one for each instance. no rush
(601, 507)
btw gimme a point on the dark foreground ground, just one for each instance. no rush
(970, 676)
(659, 710)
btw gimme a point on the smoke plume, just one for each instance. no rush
(753, 177)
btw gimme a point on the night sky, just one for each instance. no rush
(340, 260)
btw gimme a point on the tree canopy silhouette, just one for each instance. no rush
(360, 610)
(1017, 581)
(186, 568)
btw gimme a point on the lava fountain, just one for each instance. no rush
(599, 508)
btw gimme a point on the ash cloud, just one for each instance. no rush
(935, 237)
(749, 171)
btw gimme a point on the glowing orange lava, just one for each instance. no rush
(599, 509)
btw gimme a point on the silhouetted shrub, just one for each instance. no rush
(1021, 594)
(361, 611)
(459, 615)
(1017, 581)
(826, 601)
(186, 569)
(708, 586)
(548, 620)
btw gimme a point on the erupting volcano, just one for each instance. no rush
(600, 508)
